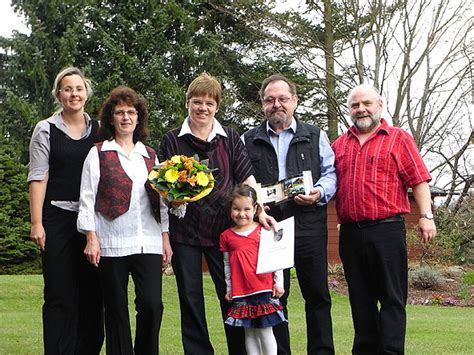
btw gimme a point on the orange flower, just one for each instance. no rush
(192, 180)
(188, 164)
(183, 176)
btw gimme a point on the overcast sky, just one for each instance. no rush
(9, 21)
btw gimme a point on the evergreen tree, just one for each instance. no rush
(17, 252)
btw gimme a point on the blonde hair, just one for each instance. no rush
(57, 83)
(203, 85)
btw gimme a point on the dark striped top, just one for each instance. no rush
(207, 218)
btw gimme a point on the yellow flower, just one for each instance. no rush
(171, 176)
(202, 179)
(153, 175)
(176, 159)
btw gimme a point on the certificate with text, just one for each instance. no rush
(277, 248)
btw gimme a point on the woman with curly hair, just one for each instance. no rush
(124, 236)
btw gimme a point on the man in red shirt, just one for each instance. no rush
(375, 165)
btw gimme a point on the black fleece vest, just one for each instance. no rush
(303, 154)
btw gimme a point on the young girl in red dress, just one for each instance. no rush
(255, 304)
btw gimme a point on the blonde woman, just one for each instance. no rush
(72, 310)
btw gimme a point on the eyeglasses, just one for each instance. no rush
(271, 100)
(70, 90)
(129, 113)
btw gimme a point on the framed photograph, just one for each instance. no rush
(286, 189)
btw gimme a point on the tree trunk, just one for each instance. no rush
(330, 75)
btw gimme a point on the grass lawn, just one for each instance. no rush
(431, 329)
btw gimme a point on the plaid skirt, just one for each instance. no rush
(255, 311)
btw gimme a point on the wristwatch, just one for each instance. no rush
(427, 215)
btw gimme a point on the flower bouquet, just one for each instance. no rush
(182, 179)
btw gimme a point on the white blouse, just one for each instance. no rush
(134, 232)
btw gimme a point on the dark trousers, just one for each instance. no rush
(375, 267)
(147, 277)
(311, 270)
(72, 309)
(187, 266)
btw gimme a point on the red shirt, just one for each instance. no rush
(243, 255)
(373, 179)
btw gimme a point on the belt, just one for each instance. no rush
(364, 224)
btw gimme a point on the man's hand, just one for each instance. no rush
(266, 220)
(306, 200)
(228, 297)
(426, 229)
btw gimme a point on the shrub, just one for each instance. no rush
(424, 278)
(17, 253)
(468, 278)
(335, 269)
(454, 231)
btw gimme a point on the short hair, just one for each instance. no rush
(66, 72)
(276, 77)
(205, 84)
(124, 95)
(365, 87)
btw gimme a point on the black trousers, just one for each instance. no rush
(375, 267)
(72, 309)
(312, 274)
(147, 277)
(187, 266)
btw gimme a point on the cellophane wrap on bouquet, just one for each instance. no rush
(182, 180)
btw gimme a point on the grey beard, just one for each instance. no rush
(278, 118)
(367, 125)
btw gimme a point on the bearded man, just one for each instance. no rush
(280, 147)
(375, 165)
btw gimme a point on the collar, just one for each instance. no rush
(216, 129)
(112, 145)
(383, 128)
(58, 121)
(292, 127)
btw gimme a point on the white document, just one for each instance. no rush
(277, 249)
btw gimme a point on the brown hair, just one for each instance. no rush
(124, 95)
(203, 85)
(276, 77)
(243, 190)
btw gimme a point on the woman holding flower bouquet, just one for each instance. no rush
(198, 232)
(124, 236)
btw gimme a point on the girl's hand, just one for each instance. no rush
(278, 291)
(167, 251)
(228, 296)
(38, 235)
(92, 250)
